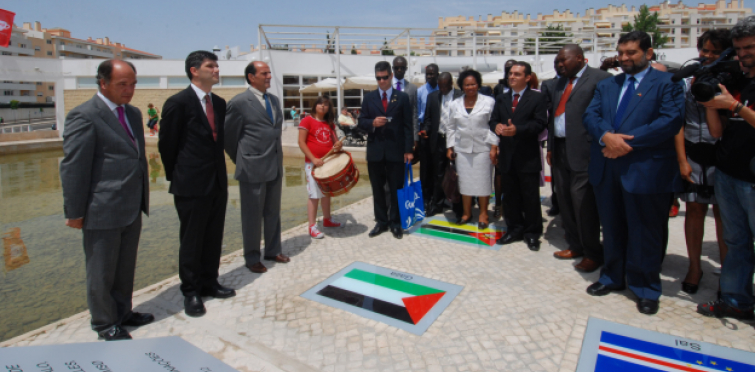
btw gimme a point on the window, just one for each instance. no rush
(39, 83)
(7, 92)
(37, 49)
(178, 82)
(7, 53)
(148, 82)
(49, 53)
(39, 94)
(51, 88)
(49, 42)
(233, 81)
(87, 83)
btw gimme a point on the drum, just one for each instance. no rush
(338, 175)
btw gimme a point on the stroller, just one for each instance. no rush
(355, 137)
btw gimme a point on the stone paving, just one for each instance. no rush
(519, 310)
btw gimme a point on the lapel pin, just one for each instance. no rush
(639, 94)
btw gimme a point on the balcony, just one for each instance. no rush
(7, 99)
(72, 49)
(18, 86)
(29, 51)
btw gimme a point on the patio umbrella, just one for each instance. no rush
(360, 82)
(325, 85)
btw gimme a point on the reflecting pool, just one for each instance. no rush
(43, 276)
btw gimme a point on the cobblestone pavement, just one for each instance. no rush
(519, 310)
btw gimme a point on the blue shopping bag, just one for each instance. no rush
(411, 205)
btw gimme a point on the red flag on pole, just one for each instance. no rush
(6, 27)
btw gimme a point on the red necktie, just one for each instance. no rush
(564, 97)
(516, 102)
(211, 116)
(385, 102)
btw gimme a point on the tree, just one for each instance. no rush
(14, 104)
(386, 51)
(551, 40)
(644, 21)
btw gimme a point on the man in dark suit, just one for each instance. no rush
(387, 118)
(633, 118)
(254, 125)
(518, 117)
(191, 146)
(105, 190)
(569, 156)
(547, 87)
(436, 116)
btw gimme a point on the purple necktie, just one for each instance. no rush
(122, 119)
(398, 86)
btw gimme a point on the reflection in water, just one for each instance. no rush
(14, 250)
(51, 285)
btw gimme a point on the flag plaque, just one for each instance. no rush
(399, 299)
(614, 347)
(143, 355)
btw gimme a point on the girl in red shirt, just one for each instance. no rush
(316, 138)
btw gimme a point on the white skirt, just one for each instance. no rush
(475, 173)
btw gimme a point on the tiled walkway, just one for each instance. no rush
(519, 310)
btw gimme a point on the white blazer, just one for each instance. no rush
(470, 133)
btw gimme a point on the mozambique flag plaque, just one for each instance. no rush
(438, 227)
(399, 299)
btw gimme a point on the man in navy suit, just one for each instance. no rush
(632, 119)
(387, 117)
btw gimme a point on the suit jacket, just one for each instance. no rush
(499, 88)
(470, 132)
(391, 141)
(194, 161)
(104, 176)
(411, 91)
(577, 138)
(520, 152)
(432, 116)
(254, 141)
(654, 116)
(548, 87)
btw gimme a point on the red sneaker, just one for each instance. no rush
(328, 222)
(720, 309)
(315, 233)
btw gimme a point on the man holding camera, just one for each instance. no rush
(633, 118)
(731, 117)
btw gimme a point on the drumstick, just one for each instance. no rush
(332, 150)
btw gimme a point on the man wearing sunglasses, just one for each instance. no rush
(387, 117)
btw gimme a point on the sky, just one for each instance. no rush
(175, 28)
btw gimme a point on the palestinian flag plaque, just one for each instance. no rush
(399, 299)
(438, 227)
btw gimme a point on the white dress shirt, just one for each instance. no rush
(201, 94)
(559, 122)
(445, 111)
(113, 108)
(261, 97)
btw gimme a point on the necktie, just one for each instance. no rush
(398, 85)
(268, 108)
(624, 103)
(211, 116)
(385, 102)
(122, 120)
(516, 102)
(564, 97)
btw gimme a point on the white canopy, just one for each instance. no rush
(360, 82)
(325, 85)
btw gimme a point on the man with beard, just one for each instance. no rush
(633, 118)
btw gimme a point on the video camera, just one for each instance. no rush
(722, 71)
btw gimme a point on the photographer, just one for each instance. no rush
(733, 120)
(695, 148)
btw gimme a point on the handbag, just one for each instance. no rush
(451, 183)
(411, 205)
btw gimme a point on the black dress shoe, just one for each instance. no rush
(600, 289)
(533, 244)
(646, 306)
(508, 239)
(397, 232)
(554, 211)
(218, 291)
(377, 230)
(193, 306)
(138, 319)
(116, 333)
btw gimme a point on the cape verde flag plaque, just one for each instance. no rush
(399, 299)
(614, 347)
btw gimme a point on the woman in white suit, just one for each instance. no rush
(473, 145)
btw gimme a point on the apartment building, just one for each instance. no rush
(32, 40)
(512, 33)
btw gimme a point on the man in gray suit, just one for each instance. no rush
(105, 190)
(402, 85)
(569, 156)
(253, 126)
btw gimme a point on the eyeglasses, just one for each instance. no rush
(378, 78)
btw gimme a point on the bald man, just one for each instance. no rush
(105, 191)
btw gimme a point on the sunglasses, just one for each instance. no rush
(378, 78)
